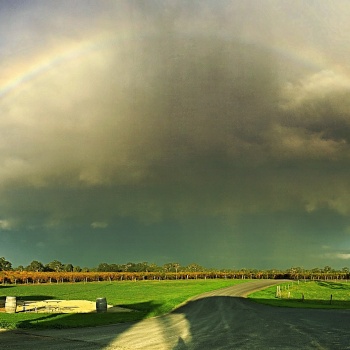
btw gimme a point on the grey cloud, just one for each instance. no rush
(141, 114)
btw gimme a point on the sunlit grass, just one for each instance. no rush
(146, 298)
(310, 294)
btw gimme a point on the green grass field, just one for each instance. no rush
(309, 294)
(147, 298)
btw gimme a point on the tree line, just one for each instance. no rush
(58, 266)
(175, 269)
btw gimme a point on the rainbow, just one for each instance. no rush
(51, 61)
(309, 60)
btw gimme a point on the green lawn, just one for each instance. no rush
(310, 294)
(147, 298)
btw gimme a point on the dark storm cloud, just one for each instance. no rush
(163, 112)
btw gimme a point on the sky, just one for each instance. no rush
(208, 132)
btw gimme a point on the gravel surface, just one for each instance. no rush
(221, 319)
(63, 306)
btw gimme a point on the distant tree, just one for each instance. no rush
(103, 267)
(194, 268)
(115, 268)
(132, 267)
(128, 267)
(141, 267)
(167, 267)
(36, 266)
(327, 269)
(176, 266)
(253, 272)
(316, 272)
(171, 267)
(68, 268)
(77, 269)
(294, 272)
(5, 265)
(345, 270)
(19, 268)
(153, 267)
(55, 265)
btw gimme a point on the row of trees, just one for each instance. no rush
(174, 269)
(15, 277)
(60, 277)
(58, 266)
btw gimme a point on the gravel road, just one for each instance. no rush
(222, 320)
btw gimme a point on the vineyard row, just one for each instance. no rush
(25, 277)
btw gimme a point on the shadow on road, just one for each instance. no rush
(228, 322)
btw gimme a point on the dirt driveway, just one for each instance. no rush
(62, 306)
(219, 320)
